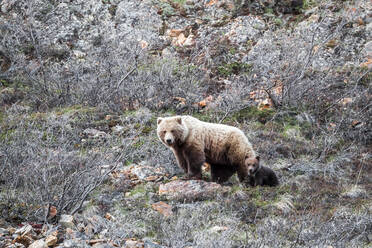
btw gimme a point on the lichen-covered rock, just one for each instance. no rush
(38, 244)
(67, 221)
(190, 190)
(144, 171)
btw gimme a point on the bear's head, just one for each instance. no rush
(252, 165)
(172, 131)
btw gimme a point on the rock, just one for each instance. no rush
(4, 231)
(189, 190)
(109, 216)
(218, 229)
(117, 129)
(150, 244)
(163, 208)
(355, 191)
(6, 5)
(67, 221)
(133, 244)
(24, 230)
(367, 50)
(16, 245)
(94, 133)
(51, 240)
(38, 244)
(245, 28)
(369, 30)
(25, 239)
(143, 171)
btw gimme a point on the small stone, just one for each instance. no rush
(117, 129)
(218, 229)
(38, 244)
(24, 239)
(12, 230)
(109, 216)
(4, 231)
(355, 192)
(51, 240)
(133, 244)
(67, 221)
(150, 244)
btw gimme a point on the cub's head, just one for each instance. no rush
(252, 165)
(172, 130)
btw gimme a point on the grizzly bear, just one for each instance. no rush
(258, 174)
(194, 142)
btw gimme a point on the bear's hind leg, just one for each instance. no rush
(221, 174)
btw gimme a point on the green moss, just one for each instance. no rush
(308, 4)
(2, 117)
(75, 109)
(4, 83)
(205, 116)
(278, 21)
(233, 68)
(167, 9)
(180, 2)
(366, 79)
(147, 129)
(139, 189)
(253, 113)
(269, 11)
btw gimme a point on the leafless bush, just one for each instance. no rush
(112, 70)
(42, 165)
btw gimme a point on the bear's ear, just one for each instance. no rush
(179, 119)
(258, 158)
(159, 120)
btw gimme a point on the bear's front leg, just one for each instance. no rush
(195, 159)
(259, 181)
(181, 161)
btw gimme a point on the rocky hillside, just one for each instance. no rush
(81, 86)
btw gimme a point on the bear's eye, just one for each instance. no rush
(172, 131)
(164, 132)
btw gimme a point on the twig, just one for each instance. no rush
(226, 114)
(47, 214)
(130, 72)
(127, 75)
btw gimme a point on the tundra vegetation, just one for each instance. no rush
(81, 86)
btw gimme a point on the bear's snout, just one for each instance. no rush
(169, 141)
(251, 170)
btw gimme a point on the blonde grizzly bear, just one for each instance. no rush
(194, 142)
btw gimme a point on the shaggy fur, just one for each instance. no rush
(194, 142)
(258, 174)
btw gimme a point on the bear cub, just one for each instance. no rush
(258, 174)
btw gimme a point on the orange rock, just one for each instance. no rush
(174, 32)
(151, 178)
(109, 216)
(211, 2)
(163, 208)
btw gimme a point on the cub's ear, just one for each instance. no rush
(179, 119)
(159, 120)
(258, 158)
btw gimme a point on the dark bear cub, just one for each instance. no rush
(258, 174)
